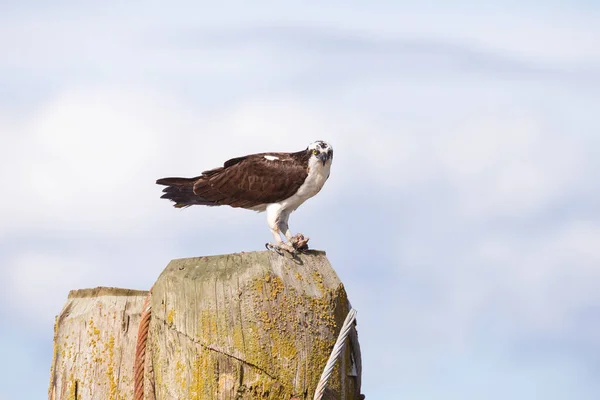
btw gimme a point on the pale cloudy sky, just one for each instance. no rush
(462, 211)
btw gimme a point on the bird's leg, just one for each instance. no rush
(279, 244)
(284, 227)
(298, 241)
(274, 220)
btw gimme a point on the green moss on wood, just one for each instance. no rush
(248, 326)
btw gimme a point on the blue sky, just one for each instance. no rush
(462, 210)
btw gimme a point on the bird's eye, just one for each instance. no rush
(315, 152)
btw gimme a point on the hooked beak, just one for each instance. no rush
(323, 157)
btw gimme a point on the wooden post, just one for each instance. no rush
(239, 326)
(94, 345)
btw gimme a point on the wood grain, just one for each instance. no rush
(94, 344)
(249, 326)
(237, 326)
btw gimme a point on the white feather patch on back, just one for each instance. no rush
(271, 158)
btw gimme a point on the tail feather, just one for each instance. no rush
(181, 192)
(177, 181)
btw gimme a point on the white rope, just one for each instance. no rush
(335, 353)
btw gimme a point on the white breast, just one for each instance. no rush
(317, 175)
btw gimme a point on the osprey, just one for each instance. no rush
(277, 183)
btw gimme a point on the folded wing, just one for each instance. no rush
(245, 182)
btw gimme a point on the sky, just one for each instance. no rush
(462, 209)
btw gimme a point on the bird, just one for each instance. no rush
(277, 183)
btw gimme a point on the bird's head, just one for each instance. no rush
(321, 150)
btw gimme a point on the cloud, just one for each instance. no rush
(461, 210)
(330, 42)
(82, 157)
(322, 51)
(477, 313)
(41, 282)
(506, 167)
(86, 162)
(548, 278)
(38, 275)
(89, 158)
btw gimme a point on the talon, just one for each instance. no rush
(288, 247)
(273, 248)
(303, 250)
(279, 248)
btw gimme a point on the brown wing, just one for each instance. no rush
(252, 180)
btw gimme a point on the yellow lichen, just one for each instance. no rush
(55, 349)
(72, 393)
(180, 377)
(170, 317)
(284, 337)
(202, 383)
(110, 371)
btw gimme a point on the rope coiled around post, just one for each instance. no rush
(140, 349)
(335, 353)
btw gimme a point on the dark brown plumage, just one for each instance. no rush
(245, 182)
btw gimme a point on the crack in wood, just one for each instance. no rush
(164, 322)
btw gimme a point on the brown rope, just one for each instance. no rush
(140, 349)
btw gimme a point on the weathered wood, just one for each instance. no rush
(249, 326)
(239, 326)
(94, 345)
